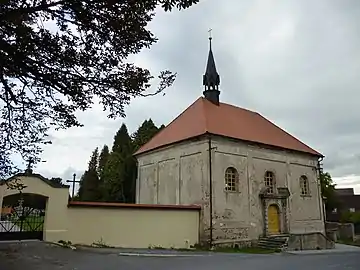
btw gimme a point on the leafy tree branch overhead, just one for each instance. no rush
(47, 73)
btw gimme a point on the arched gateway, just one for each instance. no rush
(31, 207)
(22, 216)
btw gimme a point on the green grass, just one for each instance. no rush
(31, 223)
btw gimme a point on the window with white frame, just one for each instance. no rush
(304, 185)
(231, 179)
(269, 181)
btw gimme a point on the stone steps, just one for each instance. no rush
(273, 242)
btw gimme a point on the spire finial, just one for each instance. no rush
(210, 37)
(211, 79)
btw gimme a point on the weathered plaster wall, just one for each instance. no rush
(176, 175)
(239, 214)
(180, 174)
(306, 212)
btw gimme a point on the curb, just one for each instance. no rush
(322, 252)
(138, 253)
(19, 241)
(159, 255)
(61, 245)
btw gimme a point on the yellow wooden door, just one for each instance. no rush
(273, 220)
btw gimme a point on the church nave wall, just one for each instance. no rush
(180, 175)
(305, 211)
(231, 208)
(243, 211)
(173, 175)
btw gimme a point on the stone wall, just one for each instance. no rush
(343, 231)
(309, 241)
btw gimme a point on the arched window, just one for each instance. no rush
(269, 181)
(304, 185)
(231, 179)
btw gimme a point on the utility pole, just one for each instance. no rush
(74, 181)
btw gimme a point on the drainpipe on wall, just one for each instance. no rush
(210, 193)
(321, 195)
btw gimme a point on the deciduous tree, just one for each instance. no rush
(328, 191)
(60, 56)
(56, 180)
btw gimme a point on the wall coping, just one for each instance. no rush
(134, 206)
(35, 175)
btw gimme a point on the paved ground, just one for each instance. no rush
(40, 256)
(339, 248)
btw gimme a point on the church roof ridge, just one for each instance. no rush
(203, 117)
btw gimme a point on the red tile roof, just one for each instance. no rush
(225, 120)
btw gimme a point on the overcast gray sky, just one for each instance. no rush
(295, 62)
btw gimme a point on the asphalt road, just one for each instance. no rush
(40, 256)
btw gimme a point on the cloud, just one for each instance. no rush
(296, 62)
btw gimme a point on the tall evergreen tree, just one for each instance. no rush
(112, 176)
(122, 141)
(89, 182)
(145, 132)
(130, 180)
(116, 171)
(103, 158)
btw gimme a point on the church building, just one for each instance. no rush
(251, 178)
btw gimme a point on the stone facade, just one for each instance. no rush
(179, 174)
(309, 241)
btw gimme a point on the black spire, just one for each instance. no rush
(211, 79)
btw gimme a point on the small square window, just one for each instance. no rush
(352, 210)
(334, 210)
